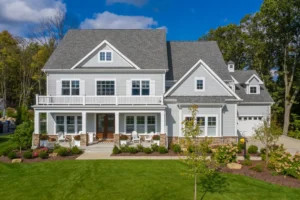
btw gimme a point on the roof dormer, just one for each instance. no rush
(230, 65)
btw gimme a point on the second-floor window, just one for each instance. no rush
(106, 88)
(70, 87)
(105, 56)
(140, 87)
(253, 90)
(199, 84)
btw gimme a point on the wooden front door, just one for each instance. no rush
(105, 126)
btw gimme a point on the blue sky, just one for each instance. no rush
(183, 20)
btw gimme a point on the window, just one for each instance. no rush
(105, 56)
(140, 88)
(211, 126)
(60, 124)
(255, 118)
(70, 124)
(151, 124)
(129, 124)
(140, 124)
(253, 90)
(260, 118)
(240, 118)
(201, 124)
(70, 87)
(79, 124)
(245, 118)
(106, 88)
(199, 84)
(250, 118)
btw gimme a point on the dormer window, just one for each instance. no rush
(105, 56)
(253, 90)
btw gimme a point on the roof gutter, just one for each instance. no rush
(201, 104)
(104, 70)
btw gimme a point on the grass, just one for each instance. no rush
(121, 179)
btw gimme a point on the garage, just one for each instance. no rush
(247, 124)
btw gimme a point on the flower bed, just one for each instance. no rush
(139, 150)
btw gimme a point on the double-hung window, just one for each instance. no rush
(140, 124)
(129, 124)
(207, 125)
(79, 124)
(70, 87)
(201, 124)
(211, 126)
(199, 84)
(150, 124)
(70, 124)
(105, 56)
(106, 88)
(140, 87)
(253, 90)
(60, 124)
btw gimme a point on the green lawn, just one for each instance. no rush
(5, 142)
(117, 179)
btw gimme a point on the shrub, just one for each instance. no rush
(132, 150)
(44, 137)
(247, 163)
(116, 150)
(205, 145)
(23, 135)
(124, 148)
(247, 157)
(190, 149)
(257, 168)
(27, 155)
(11, 112)
(226, 153)
(263, 150)
(176, 148)
(56, 146)
(6, 151)
(147, 150)
(241, 145)
(76, 150)
(37, 151)
(62, 151)
(77, 137)
(156, 137)
(140, 148)
(43, 155)
(162, 150)
(12, 155)
(123, 137)
(252, 149)
(154, 147)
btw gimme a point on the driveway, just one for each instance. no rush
(292, 145)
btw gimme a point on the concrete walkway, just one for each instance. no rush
(292, 145)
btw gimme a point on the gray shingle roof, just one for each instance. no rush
(200, 99)
(243, 75)
(145, 48)
(184, 55)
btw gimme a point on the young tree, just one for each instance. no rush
(199, 166)
(268, 134)
(23, 135)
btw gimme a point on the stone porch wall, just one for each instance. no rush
(215, 140)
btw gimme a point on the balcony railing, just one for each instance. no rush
(99, 100)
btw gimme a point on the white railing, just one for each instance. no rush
(99, 100)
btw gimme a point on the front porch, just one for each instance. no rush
(98, 126)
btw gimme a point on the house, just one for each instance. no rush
(112, 82)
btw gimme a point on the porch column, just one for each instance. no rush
(162, 121)
(36, 122)
(117, 131)
(83, 122)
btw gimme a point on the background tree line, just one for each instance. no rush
(22, 58)
(268, 41)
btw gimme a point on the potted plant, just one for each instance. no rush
(44, 140)
(52, 139)
(123, 139)
(77, 140)
(156, 139)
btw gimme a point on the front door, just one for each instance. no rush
(105, 126)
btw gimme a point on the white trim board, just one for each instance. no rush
(257, 78)
(112, 47)
(211, 72)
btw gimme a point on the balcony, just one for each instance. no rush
(99, 100)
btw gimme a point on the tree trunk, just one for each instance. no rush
(195, 189)
(267, 155)
(286, 123)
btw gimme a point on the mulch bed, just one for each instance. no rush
(264, 176)
(170, 153)
(38, 159)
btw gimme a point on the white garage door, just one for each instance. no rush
(247, 125)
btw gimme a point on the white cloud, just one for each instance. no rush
(133, 2)
(18, 13)
(107, 20)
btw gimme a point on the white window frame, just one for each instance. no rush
(65, 123)
(198, 79)
(105, 51)
(70, 81)
(115, 82)
(141, 86)
(252, 86)
(206, 125)
(146, 122)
